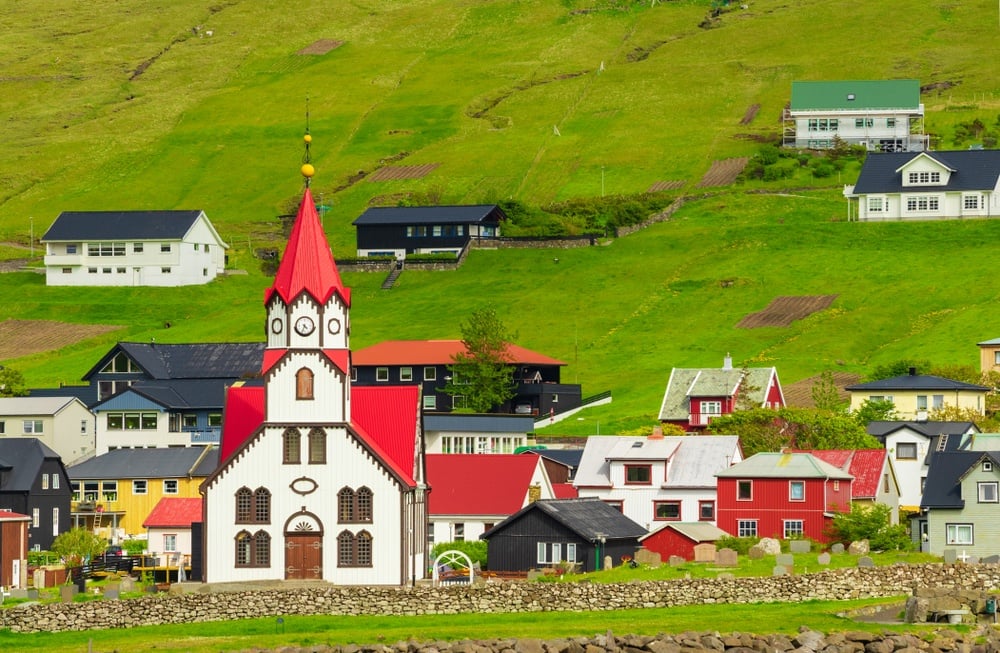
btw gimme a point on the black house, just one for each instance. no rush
(401, 230)
(549, 531)
(34, 482)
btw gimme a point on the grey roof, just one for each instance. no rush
(783, 465)
(15, 406)
(694, 458)
(162, 462)
(403, 215)
(709, 382)
(942, 488)
(486, 423)
(696, 531)
(993, 341)
(23, 457)
(176, 394)
(568, 457)
(121, 225)
(880, 429)
(588, 518)
(916, 382)
(220, 360)
(973, 170)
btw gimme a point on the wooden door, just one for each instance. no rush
(303, 556)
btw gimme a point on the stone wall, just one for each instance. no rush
(496, 597)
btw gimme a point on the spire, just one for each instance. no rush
(307, 263)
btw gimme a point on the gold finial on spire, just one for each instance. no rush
(307, 168)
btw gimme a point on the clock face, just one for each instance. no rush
(333, 326)
(304, 326)
(276, 325)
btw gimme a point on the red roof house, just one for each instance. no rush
(874, 475)
(470, 493)
(168, 528)
(427, 363)
(680, 538)
(783, 495)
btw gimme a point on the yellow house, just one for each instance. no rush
(916, 395)
(989, 355)
(114, 493)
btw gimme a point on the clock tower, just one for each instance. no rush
(307, 359)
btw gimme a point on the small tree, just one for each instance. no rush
(483, 374)
(747, 392)
(826, 396)
(875, 410)
(78, 544)
(11, 383)
(869, 522)
(475, 549)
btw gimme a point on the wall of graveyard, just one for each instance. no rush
(495, 597)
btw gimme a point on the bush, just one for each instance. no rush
(134, 547)
(740, 545)
(869, 522)
(475, 549)
(769, 154)
(823, 170)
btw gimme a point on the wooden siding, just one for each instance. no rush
(985, 518)
(515, 547)
(771, 506)
(668, 542)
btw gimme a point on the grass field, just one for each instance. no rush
(136, 105)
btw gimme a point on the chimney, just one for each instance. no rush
(727, 362)
(657, 433)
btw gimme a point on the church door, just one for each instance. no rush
(303, 556)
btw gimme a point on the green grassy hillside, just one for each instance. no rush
(134, 105)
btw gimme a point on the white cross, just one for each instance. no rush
(964, 557)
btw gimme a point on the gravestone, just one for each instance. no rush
(676, 561)
(785, 559)
(127, 584)
(991, 560)
(800, 546)
(865, 561)
(726, 575)
(704, 552)
(608, 563)
(779, 570)
(111, 592)
(950, 556)
(18, 593)
(823, 558)
(534, 574)
(858, 548)
(726, 558)
(67, 592)
(755, 552)
(770, 546)
(837, 548)
(647, 557)
(973, 560)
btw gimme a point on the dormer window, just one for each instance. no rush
(924, 178)
(638, 474)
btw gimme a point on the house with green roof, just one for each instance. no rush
(882, 115)
(696, 396)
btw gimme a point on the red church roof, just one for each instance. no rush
(307, 263)
(384, 416)
(174, 513)
(435, 352)
(478, 484)
(865, 465)
(565, 491)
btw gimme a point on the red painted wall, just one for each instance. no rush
(770, 505)
(668, 542)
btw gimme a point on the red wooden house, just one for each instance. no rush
(14, 549)
(695, 396)
(781, 495)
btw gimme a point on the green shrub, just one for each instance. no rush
(869, 522)
(769, 154)
(740, 545)
(475, 549)
(134, 547)
(823, 170)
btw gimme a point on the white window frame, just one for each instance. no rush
(140, 486)
(430, 402)
(382, 374)
(959, 534)
(987, 491)
(171, 486)
(405, 374)
(796, 491)
(430, 373)
(746, 528)
(793, 528)
(907, 445)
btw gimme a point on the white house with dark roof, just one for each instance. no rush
(132, 248)
(883, 115)
(942, 185)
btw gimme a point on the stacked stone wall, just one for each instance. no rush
(496, 597)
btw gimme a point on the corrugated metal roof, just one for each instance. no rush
(695, 458)
(916, 382)
(121, 225)
(162, 462)
(783, 465)
(865, 465)
(24, 458)
(218, 360)
(856, 95)
(436, 352)
(171, 512)
(18, 406)
(485, 423)
(479, 484)
(307, 264)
